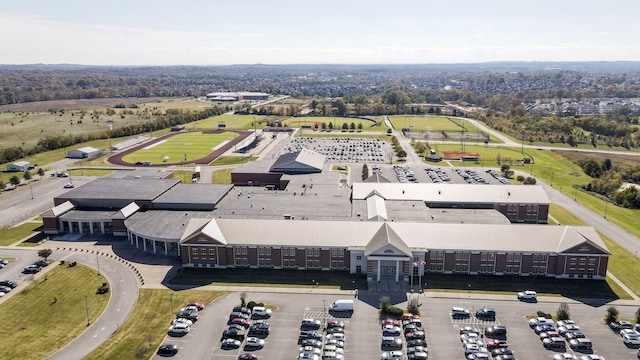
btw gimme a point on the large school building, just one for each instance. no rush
(378, 230)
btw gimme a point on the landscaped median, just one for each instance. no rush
(147, 325)
(50, 312)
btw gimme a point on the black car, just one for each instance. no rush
(167, 350)
(31, 269)
(10, 283)
(233, 333)
(259, 329)
(310, 324)
(242, 309)
(248, 356)
(486, 313)
(495, 331)
(238, 314)
(41, 263)
(416, 342)
(188, 314)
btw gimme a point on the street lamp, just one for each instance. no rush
(469, 290)
(86, 305)
(523, 127)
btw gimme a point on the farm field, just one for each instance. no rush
(181, 147)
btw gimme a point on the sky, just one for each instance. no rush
(225, 32)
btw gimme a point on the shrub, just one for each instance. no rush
(563, 312)
(612, 314)
(544, 314)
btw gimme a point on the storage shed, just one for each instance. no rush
(19, 166)
(83, 153)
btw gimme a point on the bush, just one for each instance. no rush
(252, 304)
(563, 312)
(612, 314)
(413, 307)
(544, 315)
(387, 309)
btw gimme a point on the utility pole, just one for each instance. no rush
(86, 305)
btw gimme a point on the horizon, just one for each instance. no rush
(288, 32)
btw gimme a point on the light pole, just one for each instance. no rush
(606, 203)
(98, 263)
(86, 306)
(469, 290)
(171, 304)
(523, 127)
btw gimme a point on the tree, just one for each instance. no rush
(360, 126)
(352, 126)
(44, 253)
(389, 131)
(401, 154)
(2, 185)
(563, 312)
(506, 171)
(606, 164)
(324, 126)
(638, 316)
(345, 126)
(365, 172)
(27, 175)
(14, 180)
(40, 172)
(612, 314)
(243, 298)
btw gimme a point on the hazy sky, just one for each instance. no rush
(221, 32)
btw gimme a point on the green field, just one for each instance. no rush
(431, 123)
(50, 312)
(239, 122)
(182, 147)
(367, 125)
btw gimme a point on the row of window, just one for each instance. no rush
(583, 261)
(266, 251)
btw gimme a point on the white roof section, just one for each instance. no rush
(300, 162)
(376, 210)
(129, 210)
(459, 193)
(405, 236)
(21, 163)
(87, 149)
(61, 209)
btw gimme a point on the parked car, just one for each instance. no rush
(485, 313)
(189, 314)
(237, 314)
(261, 312)
(182, 320)
(242, 309)
(179, 329)
(580, 344)
(630, 339)
(390, 321)
(230, 344)
(543, 328)
(468, 329)
(494, 344)
(554, 343)
(574, 335)
(311, 342)
(528, 295)
(335, 323)
(254, 342)
(391, 343)
(416, 342)
(69, 186)
(478, 356)
(240, 321)
(539, 321)
(387, 330)
(233, 333)
(310, 324)
(414, 335)
(495, 331)
(458, 312)
(310, 350)
(413, 349)
(248, 356)
(167, 350)
(10, 283)
(41, 263)
(619, 325)
(335, 342)
(31, 269)
(387, 355)
(591, 357)
(565, 356)
(5, 289)
(198, 305)
(423, 355)
(3, 261)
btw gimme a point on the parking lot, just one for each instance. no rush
(363, 330)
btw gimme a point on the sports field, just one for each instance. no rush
(181, 147)
(431, 123)
(239, 122)
(367, 125)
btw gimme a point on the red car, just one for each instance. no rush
(495, 344)
(240, 321)
(389, 321)
(200, 306)
(414, 335)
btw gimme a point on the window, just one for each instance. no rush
(487, 256)
(572, 272)
(212, 252)
(313, 252)
(359, 257)
(583, 262)
(573, 261)
(590, 273)
(334, 264)
(264, 251)
(334, 252)
(340, 252)
(340, 264)
(462, 255)
(358, 269)
(212, 262)
(194, 251)
(203, 251)
(440, 255)
(592, 262)
(264, 262)
(203, 262)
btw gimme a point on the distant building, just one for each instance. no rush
(237, 96)
(83, 153)
(19, 166)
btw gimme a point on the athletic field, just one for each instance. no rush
(179, 148)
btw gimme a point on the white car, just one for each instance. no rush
(182, 321)
(3, 262)
(390, 330)
(631, 339)
(392, 355)
(2, 294)
(470, 338)
(560, 323)
(592, 357)
(565, 356)
(336, 336)
(179, 329)
(261, 311)
(527, 295)
(254, 342)
(624, 332)
(539, 321)
(460, 312)
(310, 350)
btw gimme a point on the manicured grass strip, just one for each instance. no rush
(146, 327)
(270, 278)
(623, 264)
(233, 160)
(89, 172)
(9, 235)
(50, 312)
(222, 176)
(564, 217)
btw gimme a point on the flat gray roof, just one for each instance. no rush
(88, 215)
(163, 224)
(194, 194)
(126, 188)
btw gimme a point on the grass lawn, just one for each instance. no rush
(233, 160)
(623, 264)
(564, 217)
(191, 145)
(10, 235)
(240, 122)
(339, 134)
(431, 123)
(89, 172)
(146, 327)
(270, 278)
(51, 312)
(222, 176)
(367, 125)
